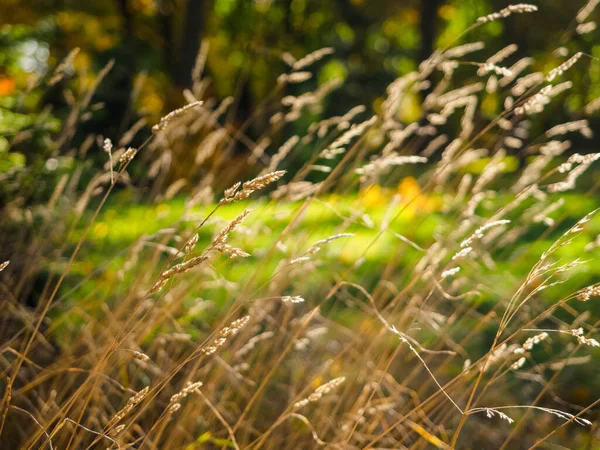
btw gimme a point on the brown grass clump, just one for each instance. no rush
(348, 320)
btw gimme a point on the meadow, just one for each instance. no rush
(371, 283)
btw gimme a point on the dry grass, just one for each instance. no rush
(444, 351)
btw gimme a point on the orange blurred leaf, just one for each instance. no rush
(7, 86)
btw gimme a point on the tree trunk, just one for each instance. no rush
(165, 23)
(190, 42)
(429, 11)
(129, 62)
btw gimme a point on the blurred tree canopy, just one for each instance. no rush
(154, 44)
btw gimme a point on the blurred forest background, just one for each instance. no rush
(154, 45)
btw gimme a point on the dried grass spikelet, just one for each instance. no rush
(108, 149)
(458, 94)
(311, 58)
(173, 408)
(577, 125)
(426, 130)
(200, 62)
(462, 50)
(140, 356)
(588, 341)
(525, 82)
(107, 146)
(592, 245)
(572, 361)
(190, 244)
(564, 66)
(294, 77)
(90, 190)
(231, 330)
(510, 9)
(583, 161)
(312, 98)
(128, 155)
(502, 54)
(395, 93)
(177, 337)
(224, 233)
(131, 132)
(339, 122)
(220, 110)
(176, 398)
(589, 292)
(233, 194)
(518, 363)
(498, 70)
(116, 430)
(63, 67)
(316, 247)
(513, 142)
(554, 148)
(463, 187)
(162, 162)
(281, 154)
(320, 392)
(500, 353)
(560, 88)
(232, 252)
(449, 272)
(463, 253)
(259, 150)
(296, 190)
(292, 299)
(479, 233)
(516, 70)
(209, 145)
(337, 147)
(4, 265)
(131, 403)
(277, 119)
(59, 188)
(379, 165)
(164, 122)
(448, 68)
(288, 58)
(320, 168)
(536, 103)
(584, 12)
(561, 241)
(592, 106)
(466, 121)
(491, 412)
(531, 342)
(234, 327)
(585, 28)
(495, 167)
(176, 269)
(446, 166)
(491, 64)
(252, 343)
(437, 119)
(397, 137)
(435, 145)
(543, 215)
(491, 85)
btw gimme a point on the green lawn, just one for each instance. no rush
(117, 227)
